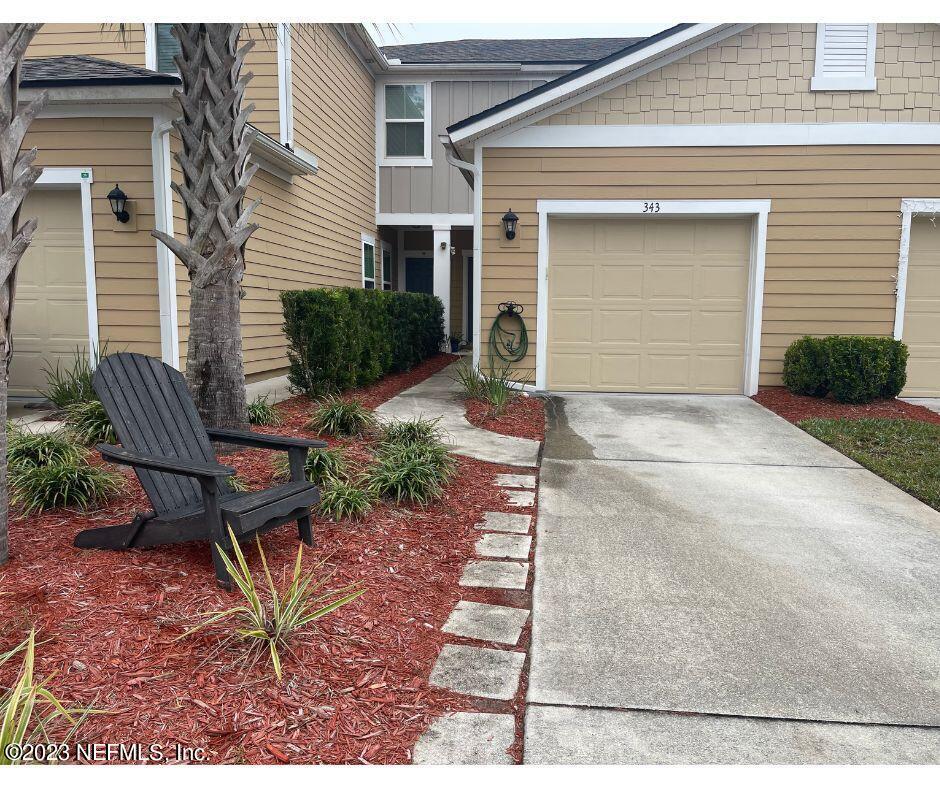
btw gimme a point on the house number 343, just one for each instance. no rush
(651, 207)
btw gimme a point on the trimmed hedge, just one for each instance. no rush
(854, 369)
(347, 337)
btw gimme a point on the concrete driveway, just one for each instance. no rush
(714, 585)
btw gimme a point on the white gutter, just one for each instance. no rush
(163, 220)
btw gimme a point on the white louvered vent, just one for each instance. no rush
(845, 57)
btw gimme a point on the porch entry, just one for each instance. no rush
(419, 275)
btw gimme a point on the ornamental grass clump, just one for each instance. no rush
(412, 432)
(412, 474)
(342, 499)
(263, 413)
(341, 418)
(321, 465)
(46, 471)
(267, 625)
(88, 423)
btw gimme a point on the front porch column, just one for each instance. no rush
(442, 270)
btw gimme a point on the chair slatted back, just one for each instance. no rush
(152, 412)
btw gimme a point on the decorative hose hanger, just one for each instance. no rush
(509, 339)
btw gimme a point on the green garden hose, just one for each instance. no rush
(509, 339)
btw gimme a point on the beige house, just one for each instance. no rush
(694, 202)
(688, 203)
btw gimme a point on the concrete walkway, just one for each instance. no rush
(701, 555)
(931, 403)
(438, 398)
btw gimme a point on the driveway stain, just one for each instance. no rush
(561, 441)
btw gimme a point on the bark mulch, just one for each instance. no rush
(523, 417)
(795, 408)
(356, 685)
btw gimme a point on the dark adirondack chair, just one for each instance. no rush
(163, 439)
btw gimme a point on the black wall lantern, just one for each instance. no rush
(509, 224)
(118, 201)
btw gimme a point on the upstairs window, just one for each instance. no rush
(407, 131)
(845, 57)
(166, 46)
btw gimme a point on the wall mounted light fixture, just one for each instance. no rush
(509, 224)
(118, 201)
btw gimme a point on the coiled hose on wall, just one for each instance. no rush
(509, 339)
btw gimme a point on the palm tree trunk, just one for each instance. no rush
(214, 131)
(17, 175)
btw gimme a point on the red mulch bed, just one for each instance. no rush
(356, 686)
(794, 408)
(523, 417)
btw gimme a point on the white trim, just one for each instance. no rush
(719, 135)
(823, 81)
(166, 260)
(414, 219)
(82, 177)
(686, 41)
(441, 276)
(477, 253)
(910, 206)
(370, 241)
(150, 45)
(757, 208)
(285, 91)
(401, 161)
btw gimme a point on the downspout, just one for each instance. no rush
(163, 220)
(473, 175)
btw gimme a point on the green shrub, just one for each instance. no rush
(88, 422)
(321, 465)
(469, 379)
(853, 369)
(340, 417)
(36, 488)
(411, 432)
(263, 413)
(804, 367)
(497, 388)
(345, 500)
(68, 385)
(415, 474)
(27, 449)
(347, 337)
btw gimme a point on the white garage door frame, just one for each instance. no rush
(910, 207)
(759, 209)
(80, 178)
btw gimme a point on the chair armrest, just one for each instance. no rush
(261, 441)
(177, 465)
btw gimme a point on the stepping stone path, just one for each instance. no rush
(470, 737)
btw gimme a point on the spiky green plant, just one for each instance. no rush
(412, 432)
(29, 712)
(320, 466)
(414, 474)
(88, 423)
(41, 448)
(269, 625)
(66, 385)
(237, 484)
(80, 485)
(263, 413)
(469, 379)
(342, 499)
(341, 417)
(500, 386)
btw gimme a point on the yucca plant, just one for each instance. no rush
(80, 485)
(28, 710)
(469, 379)
(415, 474)
(88, 422)
(341, 417)
(412, 432)
(263, 413)
(342, 499)
(268, 626)
(67, 385)
(41, 448)
(320, 466)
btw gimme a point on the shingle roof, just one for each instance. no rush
(75, 70)
(520, 50)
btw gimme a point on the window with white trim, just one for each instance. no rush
(386, 267)
(368, 263)
(405, 124)
(166, 47)
(845, 57)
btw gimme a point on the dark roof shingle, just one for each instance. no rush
(519, 50)
(75, 70)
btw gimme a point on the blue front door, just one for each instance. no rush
(419, 275)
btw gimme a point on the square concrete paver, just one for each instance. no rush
(521, 497)
(495, 574)
(504, 546)
(496, 623)
(467, 738)
(504, 521)
(522, 480)
(480, 672)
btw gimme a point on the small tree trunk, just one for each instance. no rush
(17, 176)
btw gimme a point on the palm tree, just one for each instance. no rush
(214, 132)
(17, 175)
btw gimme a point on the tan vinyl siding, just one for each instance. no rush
(763, 76)
(118, 151)
(262, 90)
(833, 230)
(95, 40)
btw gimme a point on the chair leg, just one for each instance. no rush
(305, 530)
(210, 499)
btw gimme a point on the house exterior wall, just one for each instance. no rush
(763, 76)
(95, 40)
(832, 236)
(441, 188)
(118, 151)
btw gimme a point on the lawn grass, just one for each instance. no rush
(906, 453)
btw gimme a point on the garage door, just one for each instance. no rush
(50, 314)
(647, 304)
(922, 310)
